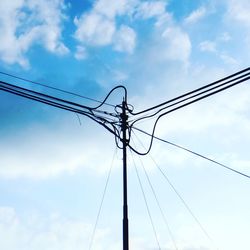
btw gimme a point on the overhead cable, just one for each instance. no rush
(67, 105)
(102, 200)
(239, 73)
(194, 153)
(180, 197)
(146, 203)
(184, 105)
(54, 88)
(158, 204)
(185, 100)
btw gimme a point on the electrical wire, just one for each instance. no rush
(146, 203)
(102, 200)
(194, 91)
(181, 198)
(30, 94)
(190, 98)
(54, 88)
(231, 81)
(54, 104)
(194, 153)
(65, 104)
(181, 106)
(158, 204)
(8, 86)
(186, 205)
(79, 120)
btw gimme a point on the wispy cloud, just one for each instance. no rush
(46, 232)
(209, 46)
(52, 153)
(149, 9)
(125, 39)
(26, 23)
(100, 25)
(239, 11)
(215, 47)
(196, 15)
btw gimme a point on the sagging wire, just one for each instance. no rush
(54, 88)
(194, 153)
(181, 199)
(106, 122)
(102, 200)
(61, 106)
(239, 80)
(146, 203)
(191, 97)
(194, 91)
(8, 86)
(158, 203)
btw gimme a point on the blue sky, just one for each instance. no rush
(53, 169)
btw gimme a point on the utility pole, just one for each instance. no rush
(105, 119)
(124, 126)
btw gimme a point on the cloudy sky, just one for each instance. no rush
(54, 165)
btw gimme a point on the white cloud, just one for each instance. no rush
(237, 16)
(57, 232)
(111, 9)
(150, 9)
(125, 39)
(94, 29)
(99, 26)
(208, 46)
(228, 59)
(49, 16)
(238, 10)
(196, 16)
(225, 37)
(46, 232)
(11, 51)
(40, 153)
(27, 22)
(177, 44)
(81, 53)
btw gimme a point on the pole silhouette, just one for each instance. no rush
(124, 127)
(118, 122)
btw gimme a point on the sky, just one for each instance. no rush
(54, 164)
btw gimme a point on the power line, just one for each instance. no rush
(159, 206)
(216, 90)
(113, 122)
(185, 204)
(102, 200)
(66, 105)
(7, 86)
(4, 85)
(240, 80)
(180, 197)
(146, 203)
(199, 89)
(194, 153)
(54, 88)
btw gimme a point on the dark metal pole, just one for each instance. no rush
(124, 119)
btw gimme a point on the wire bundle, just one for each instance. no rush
(113, 121)
(106, 119)
(184, 100)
